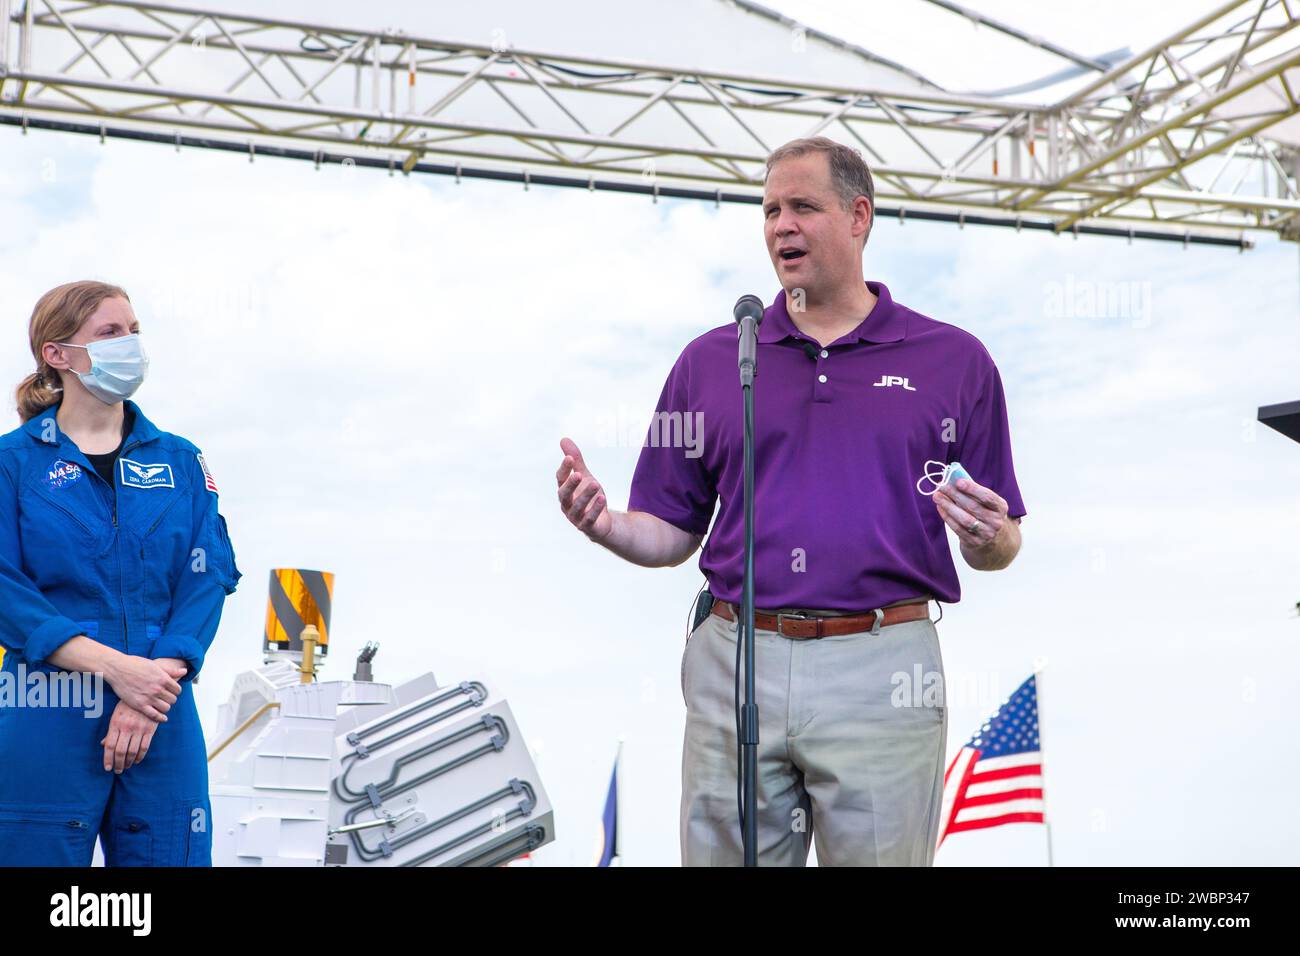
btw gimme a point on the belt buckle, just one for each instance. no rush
(796, 616)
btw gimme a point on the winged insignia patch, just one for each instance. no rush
(138, 475)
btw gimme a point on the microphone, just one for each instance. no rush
(748, 313)
(809, 349)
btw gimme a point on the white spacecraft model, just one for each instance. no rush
(358, 773)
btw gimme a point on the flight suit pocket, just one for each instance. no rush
(52, 510)
(198, 850)
(31, 836)
(132, 843)
(230, 570)
(151, 634)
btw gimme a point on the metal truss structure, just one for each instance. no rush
(1193, 139)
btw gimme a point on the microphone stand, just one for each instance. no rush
(748, 313)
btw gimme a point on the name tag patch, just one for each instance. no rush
(138, 475)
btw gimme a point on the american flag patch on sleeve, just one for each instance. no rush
(208, 480)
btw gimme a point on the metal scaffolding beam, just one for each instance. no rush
(1141, 150)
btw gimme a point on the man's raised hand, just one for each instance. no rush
(582, 499)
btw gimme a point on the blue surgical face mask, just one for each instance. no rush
(940, 474)
(117, 367)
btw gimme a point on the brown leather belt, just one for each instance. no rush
(802, 625)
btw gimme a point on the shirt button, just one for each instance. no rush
(825, 353)
(822, 379)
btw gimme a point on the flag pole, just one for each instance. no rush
(1040, 664)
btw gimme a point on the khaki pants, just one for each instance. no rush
(852, 737)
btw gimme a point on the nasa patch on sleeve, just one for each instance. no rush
(138, 475)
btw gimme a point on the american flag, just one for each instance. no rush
(997, 777)
(607, 848)
(208, 480)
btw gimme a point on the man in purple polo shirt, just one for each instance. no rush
(859, 403)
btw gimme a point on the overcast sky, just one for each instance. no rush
(379, 371)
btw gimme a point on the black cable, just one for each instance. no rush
(690, 614)
(543, 179)
(747, 599)
(325, 47)
(740, 747)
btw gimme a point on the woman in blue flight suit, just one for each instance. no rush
(114, 565)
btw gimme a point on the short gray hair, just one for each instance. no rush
(850, 175)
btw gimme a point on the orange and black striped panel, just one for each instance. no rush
(298, 597)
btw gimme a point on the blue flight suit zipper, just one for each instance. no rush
(126, 634)
(126, 638)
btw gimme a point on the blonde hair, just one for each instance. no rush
(57, 316)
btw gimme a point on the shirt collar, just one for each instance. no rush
(886, 322)
(142, 431)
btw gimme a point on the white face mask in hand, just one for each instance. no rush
(117, 367)
(941, 475)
